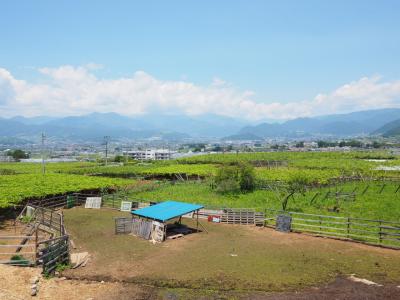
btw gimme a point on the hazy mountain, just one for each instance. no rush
(352, 124)
(177, 127)
(97, 125)
(33, 120)
(242, 137)
(389, 129)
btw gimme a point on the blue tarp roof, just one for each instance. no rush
(167, 210)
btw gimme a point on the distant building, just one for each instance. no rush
(48, 160)
(149, 154)
(4, 157)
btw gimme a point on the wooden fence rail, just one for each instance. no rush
(242, 216)
(376, 232)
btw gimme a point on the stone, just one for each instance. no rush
(35, 280)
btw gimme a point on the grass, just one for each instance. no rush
(263, 259)
(371, 205)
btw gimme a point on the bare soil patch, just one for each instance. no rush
(16, 285)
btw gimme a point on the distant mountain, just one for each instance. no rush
(390, 129)
(206, 125)
(340, 125)
(33, 120)
(93, 127)
(97, 125)
(242, 137)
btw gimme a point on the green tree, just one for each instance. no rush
(18, 154)
(235, 178)
(296, 184)
(247, 178)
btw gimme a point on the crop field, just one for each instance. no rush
(289, 156)
(35, 168)
(24, 180)
(15, 188)
(155, 169)
(317, 167)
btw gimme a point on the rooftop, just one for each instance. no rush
(167, 210)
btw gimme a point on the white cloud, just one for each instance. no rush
(69, 90)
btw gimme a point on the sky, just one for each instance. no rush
(255, 60)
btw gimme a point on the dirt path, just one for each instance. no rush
(16, 285)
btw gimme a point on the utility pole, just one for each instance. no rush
(106, 139)
(43, 161)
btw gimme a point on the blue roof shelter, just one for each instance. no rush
(167, 210)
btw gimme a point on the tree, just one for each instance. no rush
(296, 184)
(376, 144)
(235, 178)
(226, 179)
(18, 154)
(247, 178)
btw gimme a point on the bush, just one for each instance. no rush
(235, 178)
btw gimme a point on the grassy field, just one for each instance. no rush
(228, 257)
(371, 205)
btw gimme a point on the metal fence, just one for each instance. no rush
(42, 240)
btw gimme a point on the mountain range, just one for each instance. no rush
(94, 126)
(389, 129)
(339, 125)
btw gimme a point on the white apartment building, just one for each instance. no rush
(149, 154)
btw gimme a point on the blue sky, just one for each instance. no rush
(284, 52)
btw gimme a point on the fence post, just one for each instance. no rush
(380, 232)
(36, 246)
(320, 223)
(51, 217)
(348, 227)
(265, 215)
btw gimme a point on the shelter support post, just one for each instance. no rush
(197, 220)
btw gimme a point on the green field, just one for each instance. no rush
(35, 168)
(16, 188)
(19, 181)
(156, 169)
(371, 205)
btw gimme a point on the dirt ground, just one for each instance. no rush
(16, 285)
